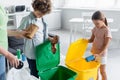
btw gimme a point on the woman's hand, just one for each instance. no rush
(13, 60)
(20, 34)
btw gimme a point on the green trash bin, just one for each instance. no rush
(47, 63)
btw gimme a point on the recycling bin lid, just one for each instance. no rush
(76, 50)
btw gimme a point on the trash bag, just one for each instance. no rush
(45, 58)
(20, 74)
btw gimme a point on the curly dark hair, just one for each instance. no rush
(44, 6)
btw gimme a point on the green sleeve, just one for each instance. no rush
(3, 17)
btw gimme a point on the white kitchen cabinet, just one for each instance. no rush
(53, 19)
(14, 19)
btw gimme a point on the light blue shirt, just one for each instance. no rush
(30, 44)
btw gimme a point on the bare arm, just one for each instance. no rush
(92, 38)
(106, 44)
(3, 51)
(12, 32)
(16, 33)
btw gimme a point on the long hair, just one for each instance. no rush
(98, 15)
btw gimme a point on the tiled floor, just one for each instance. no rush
(113, 66)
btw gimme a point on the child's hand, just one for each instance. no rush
(53, 48)
(97, 57)
(85, 39)
(54, 40)
(102, 53)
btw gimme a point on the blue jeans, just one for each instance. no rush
(2, 68)
(32, 66)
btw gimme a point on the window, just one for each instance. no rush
(105, 3)
(15, 2)
(92, 3)
(57, 3)
(80, 3)
(117, 3)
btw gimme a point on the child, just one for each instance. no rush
(100, 38)
(41, 8)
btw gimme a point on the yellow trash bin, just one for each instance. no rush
(76, 62)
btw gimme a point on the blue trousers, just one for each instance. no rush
(2, 68)
(32, 66)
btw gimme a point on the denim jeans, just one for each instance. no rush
(32, 66)
(2, 68)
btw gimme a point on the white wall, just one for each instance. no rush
(58, 3)
(15, 2)
(6, 3)
(67, 14)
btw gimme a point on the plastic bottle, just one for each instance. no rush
(18, 53)
(23, 57)
(19, 57)
(90, 58)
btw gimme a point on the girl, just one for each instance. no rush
(100, 40)
(41, 8)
